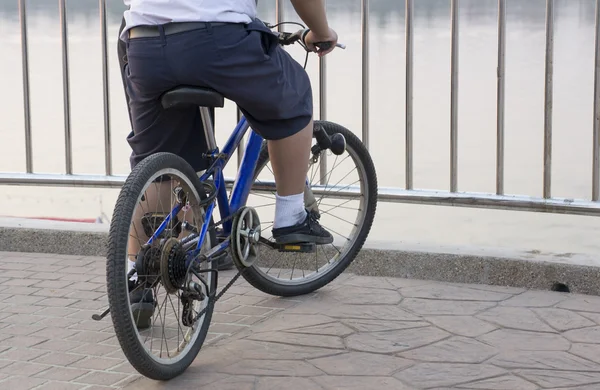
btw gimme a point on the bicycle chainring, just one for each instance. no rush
(245, 237)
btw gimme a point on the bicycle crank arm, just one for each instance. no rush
(99, 317)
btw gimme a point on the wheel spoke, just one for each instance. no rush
(335, 185)
(341, 189)
(262, 195)
(341, 206)
(331, 230)
(176, 312)
(341, 219)
(163, 321)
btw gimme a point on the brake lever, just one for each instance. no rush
(322, 45)
(286, 38)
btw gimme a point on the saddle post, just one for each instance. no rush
(208, 128)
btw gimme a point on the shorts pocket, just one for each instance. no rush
(268, 39)
(254, 42)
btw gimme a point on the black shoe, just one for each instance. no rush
(142, 305)
(225, 262)
(309, 231)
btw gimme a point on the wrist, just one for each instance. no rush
(321, 32)
(316, 36)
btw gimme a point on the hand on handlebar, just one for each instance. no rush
(320, 45)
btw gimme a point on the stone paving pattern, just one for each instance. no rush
(357, 333)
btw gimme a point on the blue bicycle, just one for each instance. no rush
(164, 243)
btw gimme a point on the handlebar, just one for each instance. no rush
(286, 38)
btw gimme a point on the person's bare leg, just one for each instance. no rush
(289, 158)
(158, 198)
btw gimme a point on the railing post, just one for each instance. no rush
(105, 89)
(500, 98)
(66, 102)
(548, 98)
(596, 122)
(278, 14)
(26, 101)
(454, 97)
(323, 112)
(322, 115)
(408, 16)
(365, 71)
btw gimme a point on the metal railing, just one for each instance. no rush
(452, 197)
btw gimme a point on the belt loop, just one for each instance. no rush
(209, 28)
(163, 36)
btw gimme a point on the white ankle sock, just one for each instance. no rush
(130, 266)
(289, 210)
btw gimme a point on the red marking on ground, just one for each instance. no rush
(84, 220)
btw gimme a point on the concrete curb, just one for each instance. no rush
(533, 270)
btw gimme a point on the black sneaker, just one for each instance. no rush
(142, 305)
(225, 262)
(309, 231)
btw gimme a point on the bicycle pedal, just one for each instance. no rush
(305, 247)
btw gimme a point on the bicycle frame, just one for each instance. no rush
(241, 186)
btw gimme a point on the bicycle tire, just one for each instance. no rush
(117, 289)
(257, 279)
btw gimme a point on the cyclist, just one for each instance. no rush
(221, 44)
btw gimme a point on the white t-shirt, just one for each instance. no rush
(148, 12)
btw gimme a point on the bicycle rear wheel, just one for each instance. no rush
(345, 195)
(162, 341)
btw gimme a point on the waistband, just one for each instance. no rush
(148, 31)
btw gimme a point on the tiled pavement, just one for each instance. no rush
(357, 333)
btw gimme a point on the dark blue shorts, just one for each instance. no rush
(242, 62)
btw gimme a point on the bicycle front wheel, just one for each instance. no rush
(343, 189)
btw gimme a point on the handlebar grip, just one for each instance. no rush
(323, 45)
(327, 45)
(320, 45)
